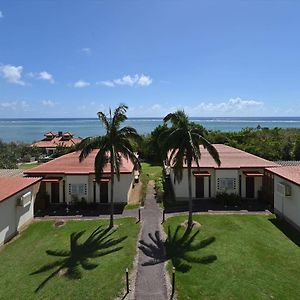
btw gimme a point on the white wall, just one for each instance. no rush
(258, 181)
(181, 189)
(289, 206)
(13, 217)
(78, 179)
(227, 173)
(121, 188)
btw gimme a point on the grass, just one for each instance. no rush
(24, 261)
(132, 206)
(27, 166)
(255, 260)
(149, 172)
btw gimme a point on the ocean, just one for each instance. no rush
(29, 130)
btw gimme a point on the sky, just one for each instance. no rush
(210, 58)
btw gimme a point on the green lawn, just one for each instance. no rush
(255, 260)
(98, 277)
(149, 172)
(27, 166)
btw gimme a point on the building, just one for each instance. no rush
(66, 180)
(286, 192)
(239, 173)
(17, 196)
(53, 140)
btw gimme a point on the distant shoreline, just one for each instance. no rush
(32, 129)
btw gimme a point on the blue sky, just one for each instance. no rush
(211, 58)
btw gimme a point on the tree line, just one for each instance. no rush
(269, 143)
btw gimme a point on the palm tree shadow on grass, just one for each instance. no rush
(176, 248)
(99, 243)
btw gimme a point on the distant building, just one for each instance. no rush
(53, 140)
(17, 196)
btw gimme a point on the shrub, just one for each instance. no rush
(229, 199)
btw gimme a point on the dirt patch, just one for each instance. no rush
(195, 224)
(59, 223)
(62, 272)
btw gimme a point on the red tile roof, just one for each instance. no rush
(290, 173)
(69, 164)
(56, 141)
(10, 186)
(232, 158)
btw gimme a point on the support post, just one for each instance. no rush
(127, 281)
(173, 282)
(163, 217)
(139, 214)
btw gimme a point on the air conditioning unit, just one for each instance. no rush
(284, 189)
(24, 200)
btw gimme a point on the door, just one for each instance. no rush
(249, 187)
(55, 192)
(103, 192)
(199, 187)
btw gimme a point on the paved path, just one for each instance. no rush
(150, 280)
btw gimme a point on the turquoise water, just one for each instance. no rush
(28, 130)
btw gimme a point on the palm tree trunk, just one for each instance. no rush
(112, 179)
(190, 220)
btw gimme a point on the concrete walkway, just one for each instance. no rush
(150, 279)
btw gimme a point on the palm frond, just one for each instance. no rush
(88, 145)
(119, 115)
(102, 117)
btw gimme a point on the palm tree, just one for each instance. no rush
(182, 146)
(112, 146)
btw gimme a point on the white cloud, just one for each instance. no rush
(81, 84)
(44, 75)
(86, 51)
(14, 105)
(48, 103)
(1, 14)
(106, 83)
(231, 106)
(144, 80)
(8, 105)
(12, 74)
(134, 80)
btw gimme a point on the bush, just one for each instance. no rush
(228, 199)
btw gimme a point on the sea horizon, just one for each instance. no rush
(32, 129)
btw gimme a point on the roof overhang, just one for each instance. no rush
(253, 174)
(105, 179)
(201, 174)
(51, 180)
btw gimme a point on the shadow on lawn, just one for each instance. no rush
(287, 229)
(177, 249)
(98, 244)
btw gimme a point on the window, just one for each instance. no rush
(226, 183)
(77, 189)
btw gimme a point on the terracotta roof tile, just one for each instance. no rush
(232, 158)
(69, 164)
(290, 173)
(57, 141)
(10, 186)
